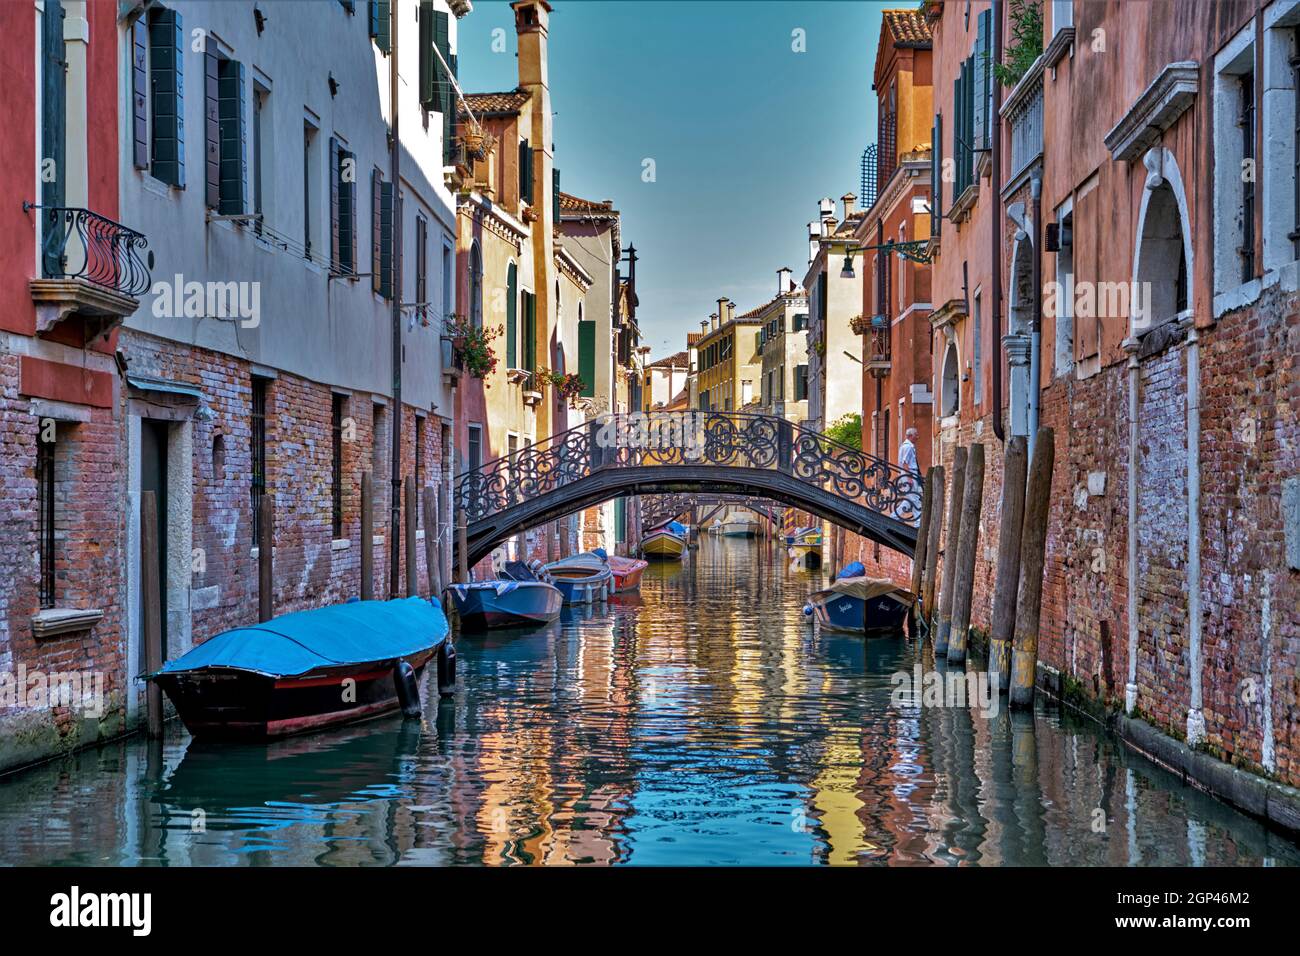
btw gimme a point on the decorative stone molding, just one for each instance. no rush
(1062, 40)
(944, 319)
(57, 299)
(1154, 111)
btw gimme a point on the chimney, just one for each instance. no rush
(713, 321)
(849, 201)
(825, 208)
(731, 311)
(814, 230)
(722, 310)
(784, 282)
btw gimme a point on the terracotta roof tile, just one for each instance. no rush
(590, 207)
(672, 361)
(508, 102)
(907, 27)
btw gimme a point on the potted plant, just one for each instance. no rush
(569, 387)
(471, 346)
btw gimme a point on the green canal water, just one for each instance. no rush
(699, 722)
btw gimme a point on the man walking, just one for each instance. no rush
(907, 454)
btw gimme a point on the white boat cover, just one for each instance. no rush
(586, 561)
(864, 589)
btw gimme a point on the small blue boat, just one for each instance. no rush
(518, 598)
(582, 579)
(860, 604)
(309, 669)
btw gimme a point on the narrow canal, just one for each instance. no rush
(701, 721)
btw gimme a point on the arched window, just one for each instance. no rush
(950, 395)
(1161, 268)
(475, 286)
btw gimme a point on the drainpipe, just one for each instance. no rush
(1195, 716)
(1036, 322)
(995, 246)
(395, 151)
(1130, 688)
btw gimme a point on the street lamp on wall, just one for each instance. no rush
(914, 251)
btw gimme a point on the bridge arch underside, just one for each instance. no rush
(485, 534)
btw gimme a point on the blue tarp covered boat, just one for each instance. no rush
(519, 597)
(307, 669)
(860, 604)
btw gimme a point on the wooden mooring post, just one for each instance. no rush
(432, 535)
(931, 570)
(265, 556)
(1033, 550)
(922, 535)
(1015, 464)
(412, 559)
(151, 609)
(964, 565)
(367, 537)
(951, 536)
(462, 549)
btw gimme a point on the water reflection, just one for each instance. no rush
(701, 721)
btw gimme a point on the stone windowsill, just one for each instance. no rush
(340, 544)
(54, 621)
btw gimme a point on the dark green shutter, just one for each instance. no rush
(379, 23)
(525, 171)
(211, 130)
(512, 316)
(936, 174)
(431, 71)
(386, 240)
(140, 92)
(167, 88)
(234, 137)
(53, 134)
(376, 229)
(347, 212)
(530, 332)
(587, 357)
(450, 113)
(555, 195)
(336, 226)
(980, 91)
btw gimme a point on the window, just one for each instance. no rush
(308, 190)
(446, 279)
(260, 94)
(982, 83)
(166, 44)
(54, 124)
(1234, 172)
(512, 316)
(421, 269)
(528, 343)
(936, 176)
(475, 286)
(587, 354)
(225, 170)
(257, 452)
(1063, 306)
(46, 446)
(525, 172)
(1246, 103)
(381, 234)
(977, 349)
(951, 383)
(473, 447)
(800, 383)
(437, 72)
(336, 464)
(343, 209)
(380, 15)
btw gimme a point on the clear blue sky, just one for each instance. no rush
(746, 134)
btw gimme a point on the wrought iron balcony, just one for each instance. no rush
(1023, 111)
(80, 244)
(879, 357)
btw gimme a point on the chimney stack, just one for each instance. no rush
(731, 310)
(814, 230)
(784, 282)
(849, 201)
(722, 310)
(713, 321)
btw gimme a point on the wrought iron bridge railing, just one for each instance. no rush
(80, 244)
(721, 440)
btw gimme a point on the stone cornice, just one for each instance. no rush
(570, 267)
(494, 219)
(1154, 111)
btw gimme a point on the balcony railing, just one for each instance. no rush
(886, 149)
(1024, 113)
(879, 353)
(80, 244)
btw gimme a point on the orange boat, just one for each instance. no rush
(627, 572)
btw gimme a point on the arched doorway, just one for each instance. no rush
(950, 383)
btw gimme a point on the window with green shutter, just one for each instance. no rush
(386, 240)
(587, 357)
(980, 84)
(233, 135)
(166, 90)
(529, 344)
(139, 92)
(512, 316)
(343, 209)
(936, 175)
(525, 172)
(380, 14)
(555, 195)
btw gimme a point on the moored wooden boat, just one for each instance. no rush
(739, 526)
(307, 670)
(805, 547)
(517, 598)
(860, 605)
(582, 578)
(663, 545)
(627, 572)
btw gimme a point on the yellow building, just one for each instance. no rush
(730, 366)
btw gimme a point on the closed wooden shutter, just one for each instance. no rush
(167, 93)
(512, 316)
(336, 253)
(525, 171)
(982, 86)
(345, 175)
(140, 92)
(936, 175)
(555, 195)
(528, 346)
(233, 138)
(376, 229)
(587, 356)
(386, 263)
(380, 14)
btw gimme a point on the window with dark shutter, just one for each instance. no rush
(1247, 125)
(525, 172)
(233, 167)
(380, 15)
(166, 91)
(587, 357)
(555, 195)
(54, 125)
(140, 92)
(982, 92)
(45, 513)
(376, 229)
(421, 269)
(336, 258)
(936, 175)
(430, 68)
(512, 316)
(450, 113)
(386, 263)
(530, 332)
(211, 130)
(345, 172)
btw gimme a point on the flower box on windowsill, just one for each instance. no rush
(517, 376)
(532, 397)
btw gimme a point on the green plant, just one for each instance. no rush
(847, 430)
(1026, 45)
(569, 387)
(471, 346)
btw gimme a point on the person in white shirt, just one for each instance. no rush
(907, 453)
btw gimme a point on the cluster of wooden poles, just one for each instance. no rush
(1022, 547)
